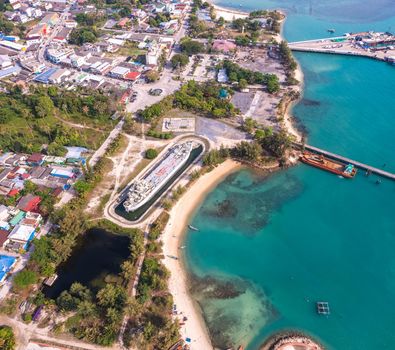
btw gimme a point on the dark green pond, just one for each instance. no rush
(98, 254)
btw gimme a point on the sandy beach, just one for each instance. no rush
(288, 122)
(194, 327)
(229, 14)
(288, 118)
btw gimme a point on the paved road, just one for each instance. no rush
(103, 148)
(56, 29)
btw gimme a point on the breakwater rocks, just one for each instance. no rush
(291, 340)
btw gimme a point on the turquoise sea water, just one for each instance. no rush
(270, 248)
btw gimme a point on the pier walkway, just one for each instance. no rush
(359, 165)
(345, 45)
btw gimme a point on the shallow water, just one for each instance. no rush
(304, 235)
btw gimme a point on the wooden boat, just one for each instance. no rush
(319, 161)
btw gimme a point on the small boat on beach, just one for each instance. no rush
(347, 171)
(193, 228)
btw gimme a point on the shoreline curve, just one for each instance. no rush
(173, 236)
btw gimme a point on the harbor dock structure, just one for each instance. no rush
(323, 308)
(368, 168)
(379, 46)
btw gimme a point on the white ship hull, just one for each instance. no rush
(143, 190)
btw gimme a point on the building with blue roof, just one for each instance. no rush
(9, 71)
(6, 264)
(44, 77)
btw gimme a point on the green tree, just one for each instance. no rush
(112, 297)
(242, 40)
(221, 22)
(152, 76)
(66, 302)
(82, 35)
(249, 125)
(273, 85)
(191, 47)
(44, 107)
(248, 150)
(24, 279)
(82, 187)
(243, 84)
(179, 60)
(54, 149)
(151, 153)
(7, 338)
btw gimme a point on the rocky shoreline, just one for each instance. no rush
(291, 340)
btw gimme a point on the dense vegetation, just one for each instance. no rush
(97, 317)
(151, 153)
(150, 325)
(199, 98)
(80, 36)
(199, 28)
(191, 47)
(6, 26)
(29, 120)
(179, 60)
(266, 144)
(243, 76)
(289, 62)
(7, 338)
(158, 19)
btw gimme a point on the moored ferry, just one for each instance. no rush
(319, 161)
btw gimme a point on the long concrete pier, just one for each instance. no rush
(345, 45)
(339, 52)
(359, 165)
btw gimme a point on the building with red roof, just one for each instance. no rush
(29, 202)
(13, 192)
(132, 76)
(35, 159)
(3, 238)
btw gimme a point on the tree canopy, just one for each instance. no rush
(7, 338)
(179, 60)
(191, 47)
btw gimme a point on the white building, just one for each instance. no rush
(21, 235)
(11, 45)
(78, 61)
(222, 76)
(119, 72)
(57, 56)
(4, 215)
(59, 76)
(70, 23)
(152, 56)
(5, 62)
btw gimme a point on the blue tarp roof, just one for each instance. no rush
(6, 262)
(44, 77)
(9, 71)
